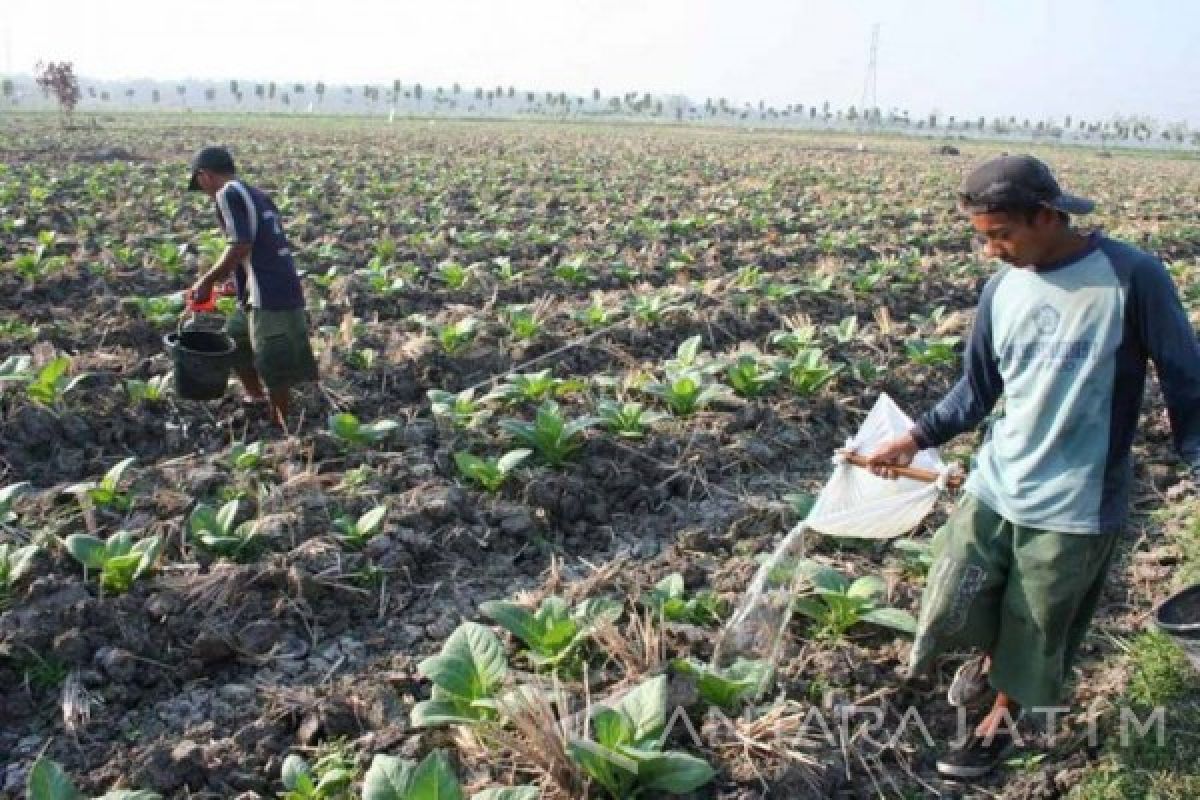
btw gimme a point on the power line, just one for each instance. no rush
(869, 98)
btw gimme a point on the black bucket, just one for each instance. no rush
(202, 361)
(1179, 616)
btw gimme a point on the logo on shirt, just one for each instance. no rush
(1046, 319)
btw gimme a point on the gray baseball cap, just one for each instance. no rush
(1013, 182)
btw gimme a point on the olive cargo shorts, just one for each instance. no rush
(1024, 595)
(275, 343)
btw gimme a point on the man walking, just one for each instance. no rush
(269, 327)
(1063, 334)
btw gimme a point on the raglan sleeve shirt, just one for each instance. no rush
(976, 393)
(236, 219)
(1166, 335)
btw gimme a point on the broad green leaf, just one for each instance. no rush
(130, 794)
(112, 478)
(646, 706)
(434, 779)
(867, 587)
(509, 461)
(517, 620)
(293, 767)
(226, 515)
(345, 426)
(811, 607)
(894, 618)
(612, 728)
(87, 550)
(471, 664)
(371, 520)
(822, 577)
(674, 772)
(119, 544)
(48, 781)
(388, 778)
(670, 586)
(509, 793)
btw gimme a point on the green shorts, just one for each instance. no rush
(1024, 595)
(275, 344)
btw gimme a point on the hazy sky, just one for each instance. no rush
(1089, 58)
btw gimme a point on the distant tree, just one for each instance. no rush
(129, 93)
(658, 108)
(933, 120)
(852, 113)
(210, 95)
(298, 88)
(59, 80)
(105, 96)
(319, 89)
(479, 93)
(8, 89)
(259, 91)
(981, 122)
(595, 95)
(530, 98)
(271, 90)
(233, 88)
(285, 98)
(155, 96)
(812, 112)
(457, 89)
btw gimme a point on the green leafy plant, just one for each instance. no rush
(466, 676)
(933, 352)
(453, 274)
(839, 604)
(551, 435)
(554, 631)
(247, 457)
(524, 323)
(392, 778)
(461, 408)
(15, 562)
(326, 779)
(120, 559)
(490, 473)
(686, 392)
(750, 377)
(625, 756)
(8, 496)
(628, 420)
(808, 372)
(48, 781)
(669, 598)
(107, 492)
(455, 336)
(794, 340)
(216, 530)
(48, 385)
(355, 532)
(845, 331)
(916, 556)
(347, 429)
(573, 271)
(534, 387)
(151, 391)
(729, 687)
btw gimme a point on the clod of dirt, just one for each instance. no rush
(119, 665)
(72, 647)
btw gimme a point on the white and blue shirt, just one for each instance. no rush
(1066, 347)
(266, 279)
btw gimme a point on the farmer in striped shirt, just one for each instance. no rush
(269, 327)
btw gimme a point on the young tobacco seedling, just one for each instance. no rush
(453, 274)
(845, 331)
(916, 556)
(490, 473)
(933, 352)
(455, 336)
(349, 431)
(353, 532)
(8, 496)
(466, 676)
(627, 420)
(120, 559)
(808, 372)
(105, 493)
(151, 391)
(534, 387)
(15, 562)
(669, 598)
(750, 377)
(726, 688)
(49, 385)
(554, 631)
(551, 435)
(327, 779)
(839, 604)
(625, 756)
(462, 409)
(524, 323)
(48, 781)
(686, 392)
(392, 778)
(247, 457)
(215, 531)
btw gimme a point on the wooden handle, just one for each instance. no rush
(916, 473)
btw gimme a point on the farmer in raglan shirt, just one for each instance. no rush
(1062, 334)
(269, 327)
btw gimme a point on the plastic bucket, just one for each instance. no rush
(202, 361)
(1179, 617)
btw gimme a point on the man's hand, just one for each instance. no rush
(896, 452)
